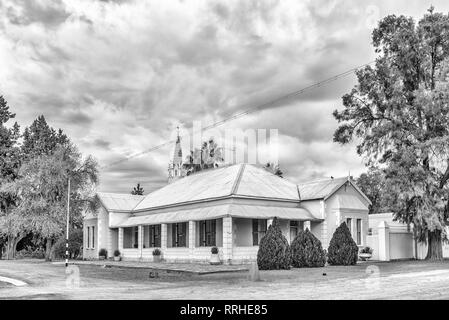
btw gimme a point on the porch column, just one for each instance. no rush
(269, 223)
(192, 238)
(384, 241)
(227, 240)
(307, 225)
(120, 240)
(163, 236)
(140, 240)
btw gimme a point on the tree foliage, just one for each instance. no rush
(274, 251)
(274, 169)
(399, 114)
(342, 248)
(137, 190)
(209, 156)
(373, 185)
(307, 251)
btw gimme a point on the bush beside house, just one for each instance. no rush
(274, 251)
(342, 248)
(75, 245)
(307, 251)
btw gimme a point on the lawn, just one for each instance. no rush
(364, 281)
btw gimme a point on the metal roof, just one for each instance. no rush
(119, 201)
(239, 180)
(320, 189)
(219, 211)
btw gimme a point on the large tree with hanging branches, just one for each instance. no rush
(398, 113)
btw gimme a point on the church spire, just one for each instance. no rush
(175, 166)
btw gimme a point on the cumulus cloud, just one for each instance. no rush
(119, 76)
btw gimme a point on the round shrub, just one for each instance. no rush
(75, 245)
(156, 252)
(342, 249)
(116, 253)
(103, 253)
(306, 251)
(214, 250)
(274, 251)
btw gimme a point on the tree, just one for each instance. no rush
(41, 139)
(342, 248)
(274, 251)
(10, 159)
(399, 112)
(374, 186)
(137, 190)
(41, 190)
(209, 156)
(306, 251)
(275, 169)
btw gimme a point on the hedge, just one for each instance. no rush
(307, 251)
(342, 249)
(274, 251)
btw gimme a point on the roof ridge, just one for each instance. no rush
(239, 178)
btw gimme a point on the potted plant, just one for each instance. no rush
(214, 257)
(103, 254)
(365, 253)
(117, 255)
(157, 255)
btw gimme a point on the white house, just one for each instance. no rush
(229, 207)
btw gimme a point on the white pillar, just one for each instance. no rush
(140, 240)
(269, 223)
(227, 240)
(307, 225)
(163, 236)
(192, 238)
(384, 241)
(120, 240)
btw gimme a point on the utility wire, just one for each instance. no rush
(249, 111)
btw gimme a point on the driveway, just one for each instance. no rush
(392, 280)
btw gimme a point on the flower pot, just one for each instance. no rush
(102, 257)
(365, 256)
(157, 258)
(117, 258)
(214, 259)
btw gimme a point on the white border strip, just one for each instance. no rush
(15, 282)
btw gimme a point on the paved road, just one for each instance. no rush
(395, 280)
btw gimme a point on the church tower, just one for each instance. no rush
(175, 166)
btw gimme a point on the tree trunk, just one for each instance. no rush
(11, 246)
(48, 250)
(435, 245)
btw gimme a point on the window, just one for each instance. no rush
(259, 230)
(154, 236)
(93, 237)
(136, 237)
(207, 233)
(294, 227)
(179, 234)
(88, 238)
(359, 231)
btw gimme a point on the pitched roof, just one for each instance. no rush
(323, 189)
(236, 180)
(119, 201)
(319, 189)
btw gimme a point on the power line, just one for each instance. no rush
(249, 111)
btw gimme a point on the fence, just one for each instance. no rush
(394, 241)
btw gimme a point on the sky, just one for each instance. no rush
(119, 76)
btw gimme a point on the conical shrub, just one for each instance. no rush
(342, 249)
(274, 251)
(307, 251)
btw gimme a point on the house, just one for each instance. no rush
(229, 207)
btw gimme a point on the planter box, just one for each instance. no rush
(102, 257)
(157, 258)
(117, 258)
(214, 259)
(365, 256)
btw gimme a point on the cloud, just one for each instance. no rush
(119, 76)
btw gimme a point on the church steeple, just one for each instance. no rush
(175, 166)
